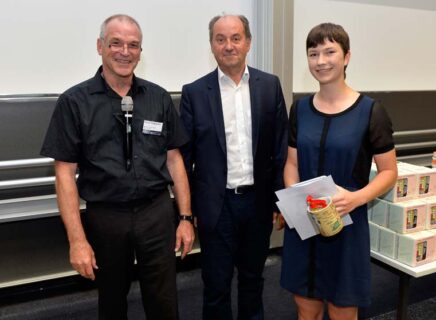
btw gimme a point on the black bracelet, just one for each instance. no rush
(186, 218)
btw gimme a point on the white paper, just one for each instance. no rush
(292, 204)
(281, 205)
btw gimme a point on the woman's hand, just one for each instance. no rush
(346, 201)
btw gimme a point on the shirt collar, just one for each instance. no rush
(222, 76)
(99, 85)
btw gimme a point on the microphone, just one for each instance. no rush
(126, 107)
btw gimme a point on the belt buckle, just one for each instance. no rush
(236, 190)
(243, 189)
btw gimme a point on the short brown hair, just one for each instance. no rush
(243, 19)
(330, 31)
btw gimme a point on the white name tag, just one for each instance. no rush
(152, 127)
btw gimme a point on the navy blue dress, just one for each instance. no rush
(336, 268)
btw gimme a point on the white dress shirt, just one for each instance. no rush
(236, 105)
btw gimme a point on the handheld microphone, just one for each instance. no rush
(126, 107)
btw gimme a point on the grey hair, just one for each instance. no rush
(121, 17)
(241, 17)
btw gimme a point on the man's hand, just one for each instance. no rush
(82, 259)
(81, 254)
(278, 220)
(185, 230)
(185, 235)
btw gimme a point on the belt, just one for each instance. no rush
(242, 189)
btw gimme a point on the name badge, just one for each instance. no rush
(152, 127)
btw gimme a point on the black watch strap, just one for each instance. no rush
(187, 218)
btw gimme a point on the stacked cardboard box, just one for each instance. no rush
(403, 221)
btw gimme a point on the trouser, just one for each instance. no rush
(121, 232)
(241, 240)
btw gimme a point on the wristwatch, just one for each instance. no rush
(189, 218)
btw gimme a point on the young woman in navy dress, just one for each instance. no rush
(338, 132)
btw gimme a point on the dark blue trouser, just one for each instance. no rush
(241, 240)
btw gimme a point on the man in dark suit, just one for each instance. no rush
(236, 119)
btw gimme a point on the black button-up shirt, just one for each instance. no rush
(88, 128)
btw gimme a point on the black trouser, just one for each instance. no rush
(121, 232)
(241, 240)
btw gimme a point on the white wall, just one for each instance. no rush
(49, 45)
(393, 42)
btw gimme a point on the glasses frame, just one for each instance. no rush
(119, 46)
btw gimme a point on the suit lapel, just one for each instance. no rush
(215, 104)
(255, 107)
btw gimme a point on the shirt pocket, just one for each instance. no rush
(149, 138)
(104, 141)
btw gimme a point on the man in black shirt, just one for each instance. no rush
(129, 212)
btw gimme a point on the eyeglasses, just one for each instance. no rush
(118, 46)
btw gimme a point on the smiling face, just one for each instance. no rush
(120, 49)
(327, 62)
(229, 44)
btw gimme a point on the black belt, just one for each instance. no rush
(131, 203)
(242, 189)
